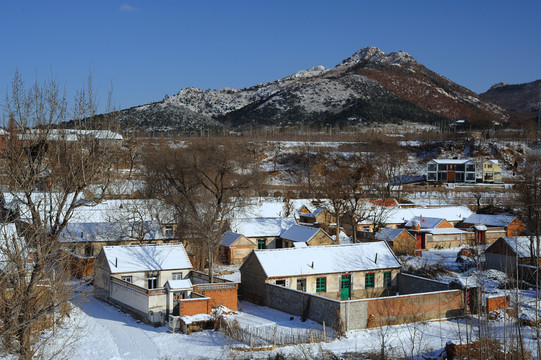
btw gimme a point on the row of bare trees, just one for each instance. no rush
(44, 177)
(206, 183)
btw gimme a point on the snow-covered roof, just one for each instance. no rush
(521, 246)
(179, 284)
(450, 213)
(152, 257)
(104, 211)
(452, 161)
(229, 237)
(489, 220)
(300, 233)
(299, 244)
(254, 227)
(326, 259)
(446, 231)
(113, 231)
(388, 234)
(425, 222)
(313, 214)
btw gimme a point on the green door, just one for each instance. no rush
(345, 285)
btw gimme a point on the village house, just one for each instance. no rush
(336, 272)
(492, 172)
(436, 233)
(264, 231)
(299, 235)
(155, 281)
(489, 228)
(235, 247)
(503, 254)
(318, 218)
(400, 240)
(450, 171)
(395, 217)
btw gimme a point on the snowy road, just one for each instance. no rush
(131, 342)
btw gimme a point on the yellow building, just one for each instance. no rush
(492, 172)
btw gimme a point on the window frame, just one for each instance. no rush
(261, 244)
(321, 284)
(387, 279)
(127, 278)
(369, 280)
(152, 282)
(176, 276)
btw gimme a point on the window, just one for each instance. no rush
(387, 280)
(281, 282)
(321, 284)
(169, 230)
(152, 282)
(432, 167)
(470, 167)
(261, 244)
(177, 276)
(88, 250)
(127, 279)
(301, 284)
(369, 280)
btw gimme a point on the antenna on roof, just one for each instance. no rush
(116, 261)
(312, 266)
(376, 259)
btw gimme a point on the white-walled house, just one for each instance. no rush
(134, 276)
(156, 281)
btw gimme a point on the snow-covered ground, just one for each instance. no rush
(103, 332)
(100, 331)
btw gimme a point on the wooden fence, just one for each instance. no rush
(270, 336)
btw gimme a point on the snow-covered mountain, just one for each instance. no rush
(369, 86)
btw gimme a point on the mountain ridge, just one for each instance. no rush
(368, 86)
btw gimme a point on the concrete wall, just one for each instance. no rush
(411, 284)
(139, 278)
(302, 304)
(137, 299)
(366, 313)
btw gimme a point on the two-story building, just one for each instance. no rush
(450, 171)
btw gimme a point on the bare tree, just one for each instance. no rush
(207, 183)
(45, 175)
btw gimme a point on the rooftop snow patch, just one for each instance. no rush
(253, 227)
(489, 220)
(326, 259)
(132, 258)
(229, 237)
(300, 233)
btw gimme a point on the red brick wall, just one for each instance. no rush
(194, 307)
(412, 308)
(224, 297)
(515, 228)
(497, 303)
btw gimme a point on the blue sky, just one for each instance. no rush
(148, 49)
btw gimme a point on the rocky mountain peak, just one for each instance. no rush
(498, 85)
(376, 55)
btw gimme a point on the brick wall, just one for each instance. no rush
(220, 295)
(189, 307)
